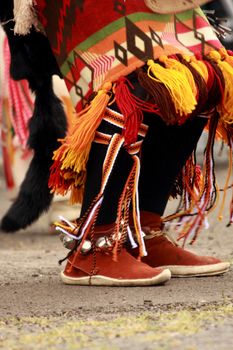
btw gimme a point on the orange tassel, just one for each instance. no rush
(83, 130)
(70, 158)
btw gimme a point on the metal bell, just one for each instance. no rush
(67, 241)
(103, 242)
(86, 247)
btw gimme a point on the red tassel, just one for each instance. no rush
(215, 84)
(57, 181)
(132, 108)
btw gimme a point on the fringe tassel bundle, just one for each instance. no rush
(179, 87)
(202, 200)
(132, 109)
(200, 193)
(69, 167)
(176, 82)
(226, 108)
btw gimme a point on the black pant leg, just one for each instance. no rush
(114, 188)
(165, 151)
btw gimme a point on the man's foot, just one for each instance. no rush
(164, 252)
(127, 271)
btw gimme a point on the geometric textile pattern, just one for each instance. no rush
(199, 38)
(139, 44)
(79, 80)
(97, 41)
(121, 53)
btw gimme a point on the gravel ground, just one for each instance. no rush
(38, 312)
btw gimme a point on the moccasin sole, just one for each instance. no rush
(99, 280)
(195, 271)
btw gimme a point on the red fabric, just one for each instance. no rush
(82, 27)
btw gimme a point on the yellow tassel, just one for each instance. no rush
(177, 85)
(176, 65)
(225, 109)
(226, 57)
(199, 66)
(78, 141)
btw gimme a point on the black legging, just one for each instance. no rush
(165, 151)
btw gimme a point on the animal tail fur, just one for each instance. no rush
(47, 124)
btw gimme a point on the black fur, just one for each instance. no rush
(32, 59)
(47, 124)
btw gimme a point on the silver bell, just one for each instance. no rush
(68, 242)
(103, 242)
(86, 247)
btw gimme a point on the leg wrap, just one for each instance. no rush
(129, 195)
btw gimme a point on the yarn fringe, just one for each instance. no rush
(200, 192)
(179, 87)
(225, 109)
(132, 109)
(69, 168)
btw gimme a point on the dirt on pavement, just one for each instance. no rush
(37, 311)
